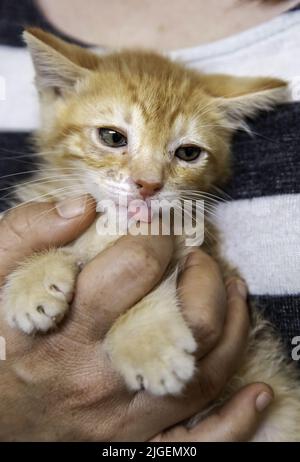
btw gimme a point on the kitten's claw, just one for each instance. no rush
(160, 362)
(37, 295)
(160, 377)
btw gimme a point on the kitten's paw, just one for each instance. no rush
(37, 295)
(157, 358)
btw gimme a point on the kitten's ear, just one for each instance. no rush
(58, 65)
(242, 97)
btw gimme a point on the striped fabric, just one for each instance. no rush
(260, 220)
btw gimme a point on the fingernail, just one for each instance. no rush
(71, 208)
(237, 287)
(263, 400)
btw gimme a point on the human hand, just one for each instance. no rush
(61, 386)
(235, 421)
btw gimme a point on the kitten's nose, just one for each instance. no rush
(148, 189)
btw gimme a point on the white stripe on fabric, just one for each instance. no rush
(261, 237)
(19, 110)
(268, 49)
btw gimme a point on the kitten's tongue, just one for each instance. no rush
(143, 213)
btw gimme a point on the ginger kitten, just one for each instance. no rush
(134, 123)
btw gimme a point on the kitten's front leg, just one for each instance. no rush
(37, 294)
(151, 345)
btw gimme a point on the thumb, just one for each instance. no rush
(37, 226)
(235, 421)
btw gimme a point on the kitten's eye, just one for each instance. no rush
(112, 138)
(188, 153)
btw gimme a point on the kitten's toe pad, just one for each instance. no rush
(41, 315)
(160, 362)
(161, 377)
(37, 295)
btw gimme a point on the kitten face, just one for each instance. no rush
(167, 134)
(137, 124)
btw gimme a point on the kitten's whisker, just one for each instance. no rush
(203, 199)
(202, 194)
(14, 188)
(37, 198)
(222, 192)
(49, 178)
(43, 214)
(27, 172)
(191, 215)
(22, 153)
